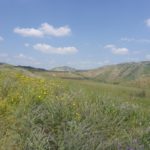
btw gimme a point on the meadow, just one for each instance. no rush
(38, 112)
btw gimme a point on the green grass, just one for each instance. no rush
(41, 113)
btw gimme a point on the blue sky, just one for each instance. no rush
(77, 33)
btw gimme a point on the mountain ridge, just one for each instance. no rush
(124, 73)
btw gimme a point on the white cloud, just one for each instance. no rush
(110, 46)
(120, 51)
(45, 48)
(147, 22)
(50, 30)
(135, 40)
(43, 30)
(1, 38)
(116, 50)
(28, 32)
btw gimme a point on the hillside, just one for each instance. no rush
(120, 73)
(39, 112)
(132, 74)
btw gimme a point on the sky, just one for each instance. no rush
(78, 33)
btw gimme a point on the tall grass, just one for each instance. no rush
(53, 114)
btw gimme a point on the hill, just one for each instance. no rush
(39, 112)
(131, 74)
(120, 73)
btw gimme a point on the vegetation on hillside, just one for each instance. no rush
(130, 74)
(39, 112)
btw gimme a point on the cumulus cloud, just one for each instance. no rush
(43, 30)
(116, 50)
(50, 30)
(120, 51)
(147, 22)
(28, 32)
(110, 46)
(46, 48)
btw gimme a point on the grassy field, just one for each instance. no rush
(41, 113)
